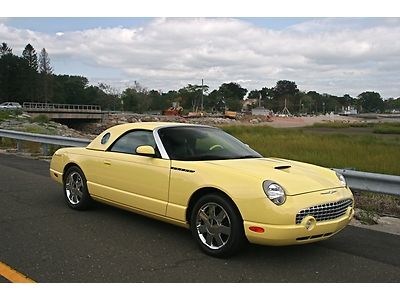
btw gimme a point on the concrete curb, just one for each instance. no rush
(385, 224)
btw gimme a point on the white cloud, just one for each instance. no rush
(336, 56)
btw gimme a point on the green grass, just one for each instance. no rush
(7, 143)
(33, 128)
(41, 119)
(339, 124)
(387, 128)
(382, 127)
(9, 114)
(364, 152)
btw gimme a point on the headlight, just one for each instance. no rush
(341, 179)
(274, 192)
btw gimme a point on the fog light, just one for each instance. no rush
(309, 223)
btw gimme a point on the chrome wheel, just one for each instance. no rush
(74, 188)
(213, 226)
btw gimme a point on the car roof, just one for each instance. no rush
(8, 103)
(117, 130)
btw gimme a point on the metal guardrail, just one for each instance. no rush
(373, 182)
(54, 107)
(43, 139)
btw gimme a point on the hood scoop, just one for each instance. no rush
(282, 167)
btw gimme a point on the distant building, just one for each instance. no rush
(348, 110)
(260, 111)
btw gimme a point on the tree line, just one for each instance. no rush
(30, 78)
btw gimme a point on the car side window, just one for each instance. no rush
(131, 140)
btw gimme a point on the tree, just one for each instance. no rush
(306, 102)
(70, 89)
(29, 54)
(392, 104)
(4, 49)
(157, 101)
(191, 96)
(136, 98)
(46, 71)
(371, 102)
(44, 62)
(266, 95)
(232, 93)
(13, 77)
(315, 104)
(285, 90)
(110, 98)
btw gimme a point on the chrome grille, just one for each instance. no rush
(326, 211)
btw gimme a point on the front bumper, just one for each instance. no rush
(279, 235)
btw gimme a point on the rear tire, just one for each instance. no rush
(75, 189)
(217, 226)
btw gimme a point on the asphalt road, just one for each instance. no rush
(48, 242)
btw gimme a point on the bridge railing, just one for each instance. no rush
(373, 182)
(55, 107)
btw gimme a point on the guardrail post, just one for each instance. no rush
(19, 146)
(45, 149)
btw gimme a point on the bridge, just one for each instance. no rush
(63, 111)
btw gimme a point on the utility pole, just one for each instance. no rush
(202, 95)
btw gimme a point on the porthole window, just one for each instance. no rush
(105, 138)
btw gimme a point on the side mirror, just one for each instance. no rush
(146, 151)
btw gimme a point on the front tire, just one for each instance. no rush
(75, 189)
(217, 226)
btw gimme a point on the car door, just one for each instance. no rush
(134, 180)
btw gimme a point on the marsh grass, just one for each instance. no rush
(381, 127)
(363, 152)
(387, 128)
(340, 125)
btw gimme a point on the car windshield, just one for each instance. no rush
(192, 143)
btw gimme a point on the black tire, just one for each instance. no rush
(75, 189)
(219, 233)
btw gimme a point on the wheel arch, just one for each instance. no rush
(69, 165)
(204, 191)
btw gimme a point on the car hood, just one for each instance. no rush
(295, 177)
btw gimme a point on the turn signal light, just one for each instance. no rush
(256, 229)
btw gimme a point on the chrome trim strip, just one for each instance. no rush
(160, 146)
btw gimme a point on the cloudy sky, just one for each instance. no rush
(329, 55)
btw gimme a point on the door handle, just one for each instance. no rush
(107, 162)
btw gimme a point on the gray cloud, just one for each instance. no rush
(336, 56)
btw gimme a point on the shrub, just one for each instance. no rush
(41, 119)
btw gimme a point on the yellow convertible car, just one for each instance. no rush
(204, 179)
